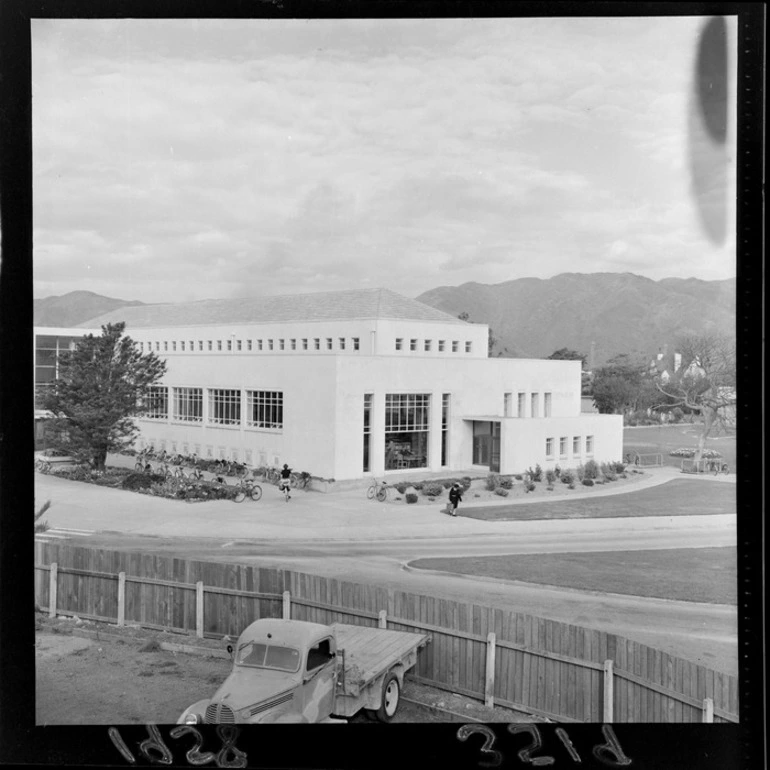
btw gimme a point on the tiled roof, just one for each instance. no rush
(354, 304)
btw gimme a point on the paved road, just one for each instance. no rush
(342, 536)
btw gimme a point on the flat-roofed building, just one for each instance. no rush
(352, 383)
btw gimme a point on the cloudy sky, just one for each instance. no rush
(186, 159)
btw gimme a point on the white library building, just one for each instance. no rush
(356, 383)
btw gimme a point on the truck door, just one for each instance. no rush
(319, 681)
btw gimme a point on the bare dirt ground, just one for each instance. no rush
(93, 673)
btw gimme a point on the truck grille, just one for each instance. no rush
(218, 713)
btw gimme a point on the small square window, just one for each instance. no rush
(165, 346)
(399, 343)
(200, 344)
(173, 346)
(259, 344)
(412, 344)
(281, 344)
(317, 343)
(294, 344)
(328, 343)
(239, 345)
(211, 345)
(304, 343)
(342, 343)
(468, 346)
(455, 346)
(229, 344)
(157, 346)
(192, 345)
(441, 346)
(427, 345)
(182, 344)
(356, 343)
(269, 344)
(248, 345)
(219, 344)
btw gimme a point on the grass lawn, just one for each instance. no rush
(687, 574)
(653, 439)
(674, 498)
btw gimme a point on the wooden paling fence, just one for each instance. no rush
(544, 667)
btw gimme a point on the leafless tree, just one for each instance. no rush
(705, 382)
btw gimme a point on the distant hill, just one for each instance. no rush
(74, 308)
(619, 312)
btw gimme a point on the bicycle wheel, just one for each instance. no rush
(256, 492)
(240, 496)
(382, 494)
(139, 467)
(371, 492)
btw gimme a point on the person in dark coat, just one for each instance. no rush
(455, 495)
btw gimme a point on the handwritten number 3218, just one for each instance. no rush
(610, 753)
(156, 751)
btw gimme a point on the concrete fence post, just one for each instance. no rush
(286, 605)
(199, 609)
(53, 584)
(708, 710)
(383, 620)
(489, 684)
(608, 706)
(121, 598)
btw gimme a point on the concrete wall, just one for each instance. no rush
(524, 441)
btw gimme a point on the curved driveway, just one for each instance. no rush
(343, 536)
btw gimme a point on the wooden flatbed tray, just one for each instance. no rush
(370, 652)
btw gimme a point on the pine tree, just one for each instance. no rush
(101, 387)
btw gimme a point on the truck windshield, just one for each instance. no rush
(268, 656)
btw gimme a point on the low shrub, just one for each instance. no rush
(591, 470)
(550, 477)
(608, 471)
(400, 487)
(447, 483)
(519, 477)
(587, 482)
(506, 482)
(432, 490)
(136, 481)
(411, 497)
(417, 485)
(708, 454)
(618, 467)
(465, 482)
(567, 477)
(530, 486)
(580, 472)
(492, 481)
(557, 471)
(571, 486)
(538, 473)
(549, 488)
(501, 491)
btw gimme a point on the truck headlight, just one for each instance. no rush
(191, 719)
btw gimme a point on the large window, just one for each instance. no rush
(407, 425)
(549, 447)
(224, 406)
(546, 404)
(367, 430)
(522, 407)
(533, 410)
(563, 446)
(264, 409)
(156, 403)
(445, 403)
(589, 445)
(576, 445)
(188, 404)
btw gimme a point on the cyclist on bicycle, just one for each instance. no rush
(284, 484)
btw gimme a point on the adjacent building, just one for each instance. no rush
(355, 383)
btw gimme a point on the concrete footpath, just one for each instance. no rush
(344, 515)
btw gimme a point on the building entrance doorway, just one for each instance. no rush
(486, 444)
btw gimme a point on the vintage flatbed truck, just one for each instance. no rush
(294, 671)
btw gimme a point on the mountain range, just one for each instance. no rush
(598, 314)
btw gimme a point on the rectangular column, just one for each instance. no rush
(377, 449)
(434, 441)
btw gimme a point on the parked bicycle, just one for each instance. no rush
(378, 489)
(299, 480)
(247, 486)
(42, 465)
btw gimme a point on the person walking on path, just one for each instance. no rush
(455, 495)
(285, 483)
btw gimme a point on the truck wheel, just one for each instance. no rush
(391, 697)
